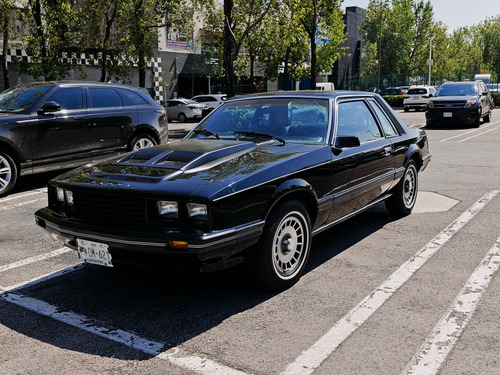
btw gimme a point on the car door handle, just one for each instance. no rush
(387, 151)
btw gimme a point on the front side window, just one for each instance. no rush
(102, 97)
(355, 119)
(68, 98)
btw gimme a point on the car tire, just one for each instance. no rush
(8, 173)
(406, 109)
(487, 118)
(182, 117)
(404, 195)
(477, 121)
(141, 141)
(279, 258)
(429, 124)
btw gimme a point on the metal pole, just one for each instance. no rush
(430, 60)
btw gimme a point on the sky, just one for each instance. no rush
(453, 13)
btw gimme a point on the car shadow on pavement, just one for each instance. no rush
(166, 307)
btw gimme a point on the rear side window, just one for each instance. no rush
(417, 91)
(68, 98)
(389, 129)
(131, 98)
(102, 97)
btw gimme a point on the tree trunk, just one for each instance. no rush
(5, 65)
(229, 79)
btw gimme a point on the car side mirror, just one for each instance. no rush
(49, 107)
(345, 141)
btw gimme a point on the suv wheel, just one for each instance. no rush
(141, 141)
(8, 173)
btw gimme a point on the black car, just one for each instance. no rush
(54, 125)
(391, 91)
(460, 103)
(255, 180)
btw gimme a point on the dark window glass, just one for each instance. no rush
(355, 119)
(68, 98)
(19, 99)
(104, 97)
(131, 98)
(387, 125)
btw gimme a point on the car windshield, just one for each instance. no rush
(457, 90)
(295, 120)
(19, 99)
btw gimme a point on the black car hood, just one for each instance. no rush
(454, 98)
(202, 167)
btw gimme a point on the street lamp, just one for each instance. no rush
(430, 62)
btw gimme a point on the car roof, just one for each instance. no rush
(75, 83)
(307, 94)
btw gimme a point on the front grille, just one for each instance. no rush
(111, 211)
(454, 105)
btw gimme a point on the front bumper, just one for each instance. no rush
(458, 116)
(205, 247)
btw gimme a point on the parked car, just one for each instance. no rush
(252, 182)
(58, 125)
(211, 101)
(417, 97)
(183, 110)
(460, 103)
(391, 91)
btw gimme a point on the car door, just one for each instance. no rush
(173, 109)
(61, 136)
(109, 120)
(363, 173)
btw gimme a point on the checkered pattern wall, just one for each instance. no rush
(92, 60)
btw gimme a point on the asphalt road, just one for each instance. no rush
(419, 295)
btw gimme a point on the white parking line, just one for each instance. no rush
(445, 334)
(23, 195)
(174, 355)
(478, 130)
(312, 358)
(34, 259)
(6, 208)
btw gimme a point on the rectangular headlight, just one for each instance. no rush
(60, 194)
(197, 209)
(68, 195)
(168, 209)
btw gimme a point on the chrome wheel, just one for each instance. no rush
(8, 173)
(143, 143)
(410, 186)
(290, 245)
(278, 260)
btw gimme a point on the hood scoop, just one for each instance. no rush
(187, 160)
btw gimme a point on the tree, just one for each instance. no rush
(240, 18)
(321, 20)
(8, 12)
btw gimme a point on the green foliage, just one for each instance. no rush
(395, 101)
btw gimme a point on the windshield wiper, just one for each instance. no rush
(206, 131)
(260, 134)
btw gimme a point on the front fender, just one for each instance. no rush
(298, 189)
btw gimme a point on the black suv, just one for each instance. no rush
(57, 125)
(460, 103)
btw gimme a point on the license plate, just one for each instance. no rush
(447, 114)
(416, 97)
(94, 252)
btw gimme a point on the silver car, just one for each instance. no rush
(184, 109)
